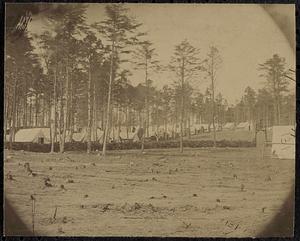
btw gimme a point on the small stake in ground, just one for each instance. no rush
(33, 211)
(54, 215)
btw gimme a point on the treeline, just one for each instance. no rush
(260, 107)
(73, 74)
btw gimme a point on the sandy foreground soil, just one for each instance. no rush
(201, 192)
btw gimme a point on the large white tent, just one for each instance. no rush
(283, 142)
(33, 135)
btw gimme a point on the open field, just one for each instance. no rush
(230, 135)
(202, 192)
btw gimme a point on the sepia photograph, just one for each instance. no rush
(149, 120)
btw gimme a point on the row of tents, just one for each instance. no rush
(43, 135)
(227, 126)
(241, 126)
(283, 137)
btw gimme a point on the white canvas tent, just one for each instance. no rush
(218, 127)
(133, 135)
(94, 136)
(199, 127)
(244, 126)
(283, 142)
(78, 137)
(117, 133)
(33, 135)
(68, 136)
(113, 135)
(82, 136)
(153, 131)
(123, 133)
(229, 126)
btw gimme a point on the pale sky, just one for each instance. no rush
(244, 33)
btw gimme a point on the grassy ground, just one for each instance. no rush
(230, 135)
(202, 192)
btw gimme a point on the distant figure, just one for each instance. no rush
(140, 133)
(260, 124)
(260, 143)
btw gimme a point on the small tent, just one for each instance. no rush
(123, 133)
(33, 135)
(78, 137)
(133, 135)
(283, 142)
(82, 136)
(244, 126)
(95, 136)
(117, 134)
(229, 126)
(200, 127)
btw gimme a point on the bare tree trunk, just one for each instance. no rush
(25, 106)
(95, 119)
(53, 112)
(108, 99)
(166, 126)
(6, 101)
(213, 102)
(102, 116)
(48, 117)
(12, 129)
(189, 127)
(213, 120)
(266, 115)
(71, 123)
(278, 109)
(43, 112)
(275, 121)
(89, 109)
(182, 107)
(112, 124)
(118, 122)
(147, 98)
(66, 108)
(36, 109)
(143, 137)
(30, 112)
(17, 113)
(71, 112)
(61, 119)
(127, 122)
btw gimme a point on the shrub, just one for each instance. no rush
(79, 146)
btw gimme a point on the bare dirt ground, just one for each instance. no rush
(230, 135)
(202, 192)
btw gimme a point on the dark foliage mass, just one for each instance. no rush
(79, 146)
